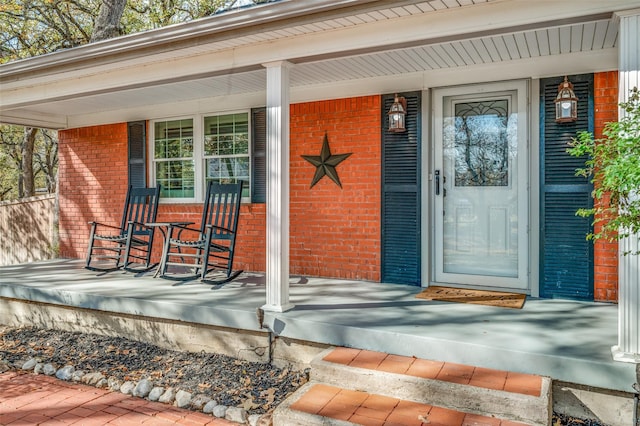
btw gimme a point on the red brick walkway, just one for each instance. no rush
(28, 399)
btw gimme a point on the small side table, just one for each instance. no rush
(164, 227)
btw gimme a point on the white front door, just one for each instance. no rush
(480, 185)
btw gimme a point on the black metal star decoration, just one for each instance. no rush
(326, 163)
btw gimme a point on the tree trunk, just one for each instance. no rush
(28, 143)
(108, 22)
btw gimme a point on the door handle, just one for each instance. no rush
(437, 178)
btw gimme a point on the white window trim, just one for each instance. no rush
(198, 154)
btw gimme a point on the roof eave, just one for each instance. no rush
(264, 15)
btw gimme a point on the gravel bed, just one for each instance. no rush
(564, 420)
(256, 387)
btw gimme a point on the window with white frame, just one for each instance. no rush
(173, 156)
(190, 152)
(226, 149)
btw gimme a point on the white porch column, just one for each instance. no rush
(277, 187)
(628, 348)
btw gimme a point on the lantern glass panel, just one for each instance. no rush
(396, 121)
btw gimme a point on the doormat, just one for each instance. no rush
(477, 297)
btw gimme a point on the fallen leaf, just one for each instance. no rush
(249, 404)
(269, 394)
(284, 373)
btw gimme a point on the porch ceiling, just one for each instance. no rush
(322, 66)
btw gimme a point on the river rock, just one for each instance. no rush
(236, 414)
(127, 387)
(168, 396)
(143, 388)
(65, 373)
(155, 393)
(183, 399)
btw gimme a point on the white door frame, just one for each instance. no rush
(526, 165)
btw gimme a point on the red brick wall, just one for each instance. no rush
(334, 232)
(92, 182)
(605, 253)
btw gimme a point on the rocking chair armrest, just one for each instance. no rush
(103, 224)
(134, 222)
(220, 228)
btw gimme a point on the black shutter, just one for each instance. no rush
(258, 155)
(566, 269)
(136, 131)
(401, 195)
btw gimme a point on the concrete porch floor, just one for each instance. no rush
(568, 341)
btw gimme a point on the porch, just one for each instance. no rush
(568, 341)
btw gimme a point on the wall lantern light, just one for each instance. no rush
(397, 113)
(566, 103)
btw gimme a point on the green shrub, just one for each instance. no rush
(613, 165)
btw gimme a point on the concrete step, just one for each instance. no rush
(318, 404)
(486, 393)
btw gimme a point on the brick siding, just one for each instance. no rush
(335, 232)
(92, 182)
(605, 252)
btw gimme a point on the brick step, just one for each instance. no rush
(321, 404)
(461, 388)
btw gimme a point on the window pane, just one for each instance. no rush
(241, 167)
(160, 149)
(176, 178)
(220, 170)
(482, 143)
(241, 145)
(211, 145)
(186, 147)
(160, 130)
(226, 134)
(225, 124)
(173, 129)
(226, 146)
(173, 139)
(173, 148)
(186, 128)
(241, 123)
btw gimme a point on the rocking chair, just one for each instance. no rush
(212, 245)
(132, 239)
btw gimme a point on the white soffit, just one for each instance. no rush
(584, 37)
(314, 26)
(591, 36)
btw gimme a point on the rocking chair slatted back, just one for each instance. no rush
(221, 210)
(141, 206)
